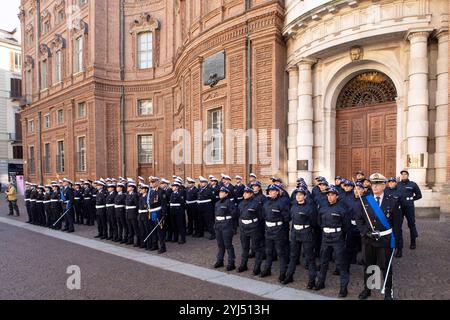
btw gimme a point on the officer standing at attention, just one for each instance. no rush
(131, 212)
(374, 218)
(27, 200)
(192, 207)
(164, 185)
(56, 205)
(205, 209)
(111, 213)
(87, 208)
(100, 206)
(252, 179)
(392, 191)
(119, 210)
(48, 205)
(67, 199)
(157, 204)
(304, 219)
(409, 192)
(360, 176)
(238, 190)
(77, 202)
(143, 220)
(334, 221)
(225, 211)
(276, 216)
(177, 213)
(251, 227)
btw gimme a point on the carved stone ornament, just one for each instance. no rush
(144, 22)
(356, 53)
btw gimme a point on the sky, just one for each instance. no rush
(8, 14)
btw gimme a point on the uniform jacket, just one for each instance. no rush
(304, 214)
(276, 211)
(334, 216)
(409, 192)
(250, 209)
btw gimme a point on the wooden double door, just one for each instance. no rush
(366, 139)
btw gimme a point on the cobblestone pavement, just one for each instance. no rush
(420, 274)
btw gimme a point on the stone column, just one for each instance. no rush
(441, 126)
(292, 125)
(418, 101)
(305, 118)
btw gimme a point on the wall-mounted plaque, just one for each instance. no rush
(214, 69)
(302, 165)
(416, 160)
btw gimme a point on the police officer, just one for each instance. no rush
(374, 218)
(131, 212)
(48, 206)
(111, 213)
(367, 186)
(77, 203)
(67, 200)
(119, 209)
(238, 190)
(251, 226)
(157, 204)
(321, 201)
(392, 191)
(206, 200)
(353, 238)
(251, 180)
(164, 185)
(27, 200)
(409, 192)
(225, 211)
(143, 219)
(360, 176)
(100, 206)
(40, 206)
(304, 218)
(192, 207)
(87, 207)
(56, 205)
(215, 188)
(333, 220)
(338, 184)
(177, 213)
(276, 217)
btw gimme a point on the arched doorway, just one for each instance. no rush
(366, 126)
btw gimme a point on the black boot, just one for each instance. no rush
(256, 270)
(281, 277)
(364, 294)
(336, 272)
(242, 268)
(319, 286)
(288, 279)
(231, 267)
(412, 246)
(162, 250)
(218, 264)
(398, 254)
(311, 284)
(343, 292)
(265, 273)
(388, 295)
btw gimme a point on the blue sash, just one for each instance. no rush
(380, 215)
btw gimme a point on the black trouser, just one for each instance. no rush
(92, 212)
(121, 223)
(69, 217)
(133, 228)
(340, 259)
(317, 241)
(57, 211)
(224, 235)
(377, 256)
(41, 214)
(88, 212)
(112, 222)
(28, 206)
(352, 245)
(101, 222)
(13, 206)
(178, 223)
(144, 229)
(48, 214)
(255, 241)
(308, 250)
(78, 213)
(159, 233)
(33, 212)
(167, 226)
(280, 245)
(409, 213)
(206, 218)
(192, 213)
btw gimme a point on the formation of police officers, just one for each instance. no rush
(332, 222)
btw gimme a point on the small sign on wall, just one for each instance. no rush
(302, 165)
(416, 160)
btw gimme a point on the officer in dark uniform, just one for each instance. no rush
(238, 190)
(409, 192)
(257, 190)
(251, 226)
(205, 201)
(131, 212)
(56, 205)
(334, 221)
(157, 203)
(367, 186)
(215, 188)
(360, 176)
(321, 201)
(27, 200)
(33, 197)
(276, 217)
(316, 189)
(177, 213)
(40, 206)
(252, 179)
(164, 185)
(392, 191)
(192, 207)
(143, 219)
(225, 211)
(375, 217)
(87, 196)
(304, 219)
(111, 212)
(353, 238)
(67, 200)
(77, 203)
(48, 206)
(94, 192)
(100, 206)
(119, 209)
(338, 184)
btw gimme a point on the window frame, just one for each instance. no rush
(79, 116)
(47, 116)
(211, 124)
(139, 104)
(78, 54)
(43, 76)
(60, 164)
(58, 66)
(80, 150)
(31, 159)
(30, 126)
(148, 51)
(150, 154)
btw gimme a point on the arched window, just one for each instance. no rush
(366, 89)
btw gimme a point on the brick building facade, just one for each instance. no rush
(107, 82)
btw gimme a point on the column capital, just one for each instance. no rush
(418, 34)
(441, 34)
(292, 68)
(306, 62)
